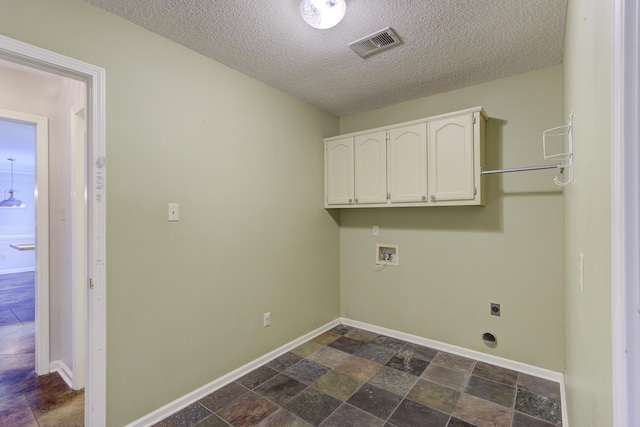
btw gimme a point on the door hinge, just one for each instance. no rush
(474, 120)
(90, 283)
(387, 137)
(388, 196)
(475, 190)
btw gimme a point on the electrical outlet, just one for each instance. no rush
(266, 319)
(3, 257)
(495, 309)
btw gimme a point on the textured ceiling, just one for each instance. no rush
(446, 44)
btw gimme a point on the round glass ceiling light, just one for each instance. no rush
(322, 14)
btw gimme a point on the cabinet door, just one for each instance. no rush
(450, 158)
(338, 163)
(407, 149)
(371, 168)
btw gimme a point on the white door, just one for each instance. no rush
(450, 158)
(371, 168)
(338, 164)
(407, 150)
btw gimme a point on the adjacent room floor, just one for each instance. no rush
(26, 399)
(349, 377)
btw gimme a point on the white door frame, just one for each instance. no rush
(41, 193)
(625, 210)
(94, 77)
(78, 243)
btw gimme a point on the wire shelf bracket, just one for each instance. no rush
(557, 144)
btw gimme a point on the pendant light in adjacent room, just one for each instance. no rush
(11, 201)
(322, 14)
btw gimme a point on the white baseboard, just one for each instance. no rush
(63, 370)
(194, 396)
(17, 270)
(482, 357)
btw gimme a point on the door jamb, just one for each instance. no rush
(94, 77)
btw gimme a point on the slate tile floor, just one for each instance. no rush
(27, 400)
(348, 377)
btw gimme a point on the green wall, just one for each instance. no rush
(244, 161)
(454, 261)
(587, 207)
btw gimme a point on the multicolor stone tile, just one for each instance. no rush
(395, 381)
(376, 353)
(337, 384)
(351, 377)
(446, 377)
(411, 414)
(375, 400)
(407, 363)
(250, 409)
(496, 373)
(359, 368)
(329, 357)
(313, 406)
(283, 362)
(539, 406)
(188, 416)
(306, 371)
(491, 391)
(539, 386)
(482, 413)
(434, 396)
(280, 389)
(346, 344)
(453, 361)
(347, 415)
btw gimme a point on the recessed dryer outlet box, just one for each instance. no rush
(387, 254)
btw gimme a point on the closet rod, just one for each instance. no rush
(530, 168)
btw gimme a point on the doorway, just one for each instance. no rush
(89, 238)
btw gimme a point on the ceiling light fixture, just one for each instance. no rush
(11, 201)
(322, 14)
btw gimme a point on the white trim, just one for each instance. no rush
(194, 396)
(63, 370)
(78, 243)
(41, 220)
(460, 351)
(94, 77)
(625, 208)
(190, 398)
(17, 270)
(17, 236)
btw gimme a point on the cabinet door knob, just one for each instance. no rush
(356, 200)
(424, 198)
(433, 198)
(350, 201)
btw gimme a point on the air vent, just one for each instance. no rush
(375, 42)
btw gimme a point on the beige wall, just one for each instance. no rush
(244, 161)
(454, 261)
(587, 214)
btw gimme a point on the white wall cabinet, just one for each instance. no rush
(338, 167)
(451, 159)
(370, 168)
(434, 161)
(407, 149)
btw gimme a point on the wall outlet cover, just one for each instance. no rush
(387, 254)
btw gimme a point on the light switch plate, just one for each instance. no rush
(174, 212)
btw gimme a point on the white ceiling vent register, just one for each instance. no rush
(375, 42)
